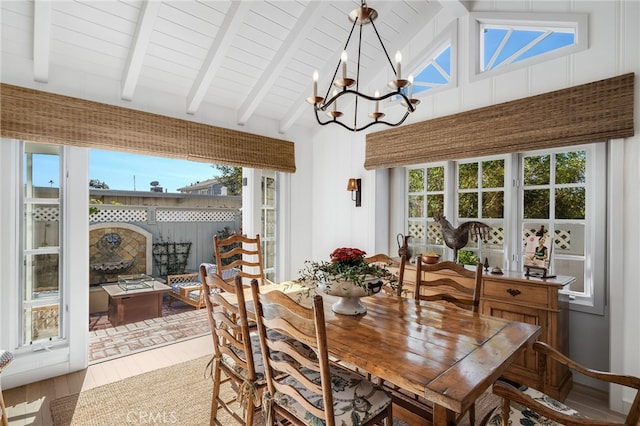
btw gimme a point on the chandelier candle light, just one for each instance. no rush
(361, 16)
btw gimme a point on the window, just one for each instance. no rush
(481, 196)
(516, 195)
(553, 194)
(268, 221)
(507, 41)
(40, 235)
(425, 199)
(437, 70)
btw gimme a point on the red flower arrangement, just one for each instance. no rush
(347, 256)
(347, 264)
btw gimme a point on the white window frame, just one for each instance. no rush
(60, 299)
(477, 21)
(593, 298)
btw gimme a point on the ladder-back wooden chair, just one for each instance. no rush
(446, 284)
(240, 254)
(444, 281)
(385, 260)
(301, 386)
(236, 353)
(531, 406)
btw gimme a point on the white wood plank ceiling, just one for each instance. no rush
(255, 58)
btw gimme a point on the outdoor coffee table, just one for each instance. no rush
(126, 306)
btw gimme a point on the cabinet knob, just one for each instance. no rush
(513, 291)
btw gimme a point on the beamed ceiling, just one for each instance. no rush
(248, 58)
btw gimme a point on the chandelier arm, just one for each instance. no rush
(384, 48)
(355, 110)
(334, 121)
(329, 102)
(386, 123)
(335, 73)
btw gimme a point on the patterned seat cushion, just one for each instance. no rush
(258, 361)
(355, 399)
(521, 415)
(193, 294)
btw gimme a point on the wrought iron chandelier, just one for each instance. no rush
(361, 16)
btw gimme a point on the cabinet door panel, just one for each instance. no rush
(527, 360)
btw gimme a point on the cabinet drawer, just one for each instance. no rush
(516, 293)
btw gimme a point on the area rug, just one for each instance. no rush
(180, 395)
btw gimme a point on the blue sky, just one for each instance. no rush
(118, 169)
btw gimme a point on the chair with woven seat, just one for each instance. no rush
(240, 253)
(235, 354)
(307, 389)
(531, 406)
(387, 261)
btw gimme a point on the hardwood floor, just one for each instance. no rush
(29, 404)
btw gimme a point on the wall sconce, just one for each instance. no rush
(355, 185)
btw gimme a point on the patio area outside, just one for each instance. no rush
(179, 322)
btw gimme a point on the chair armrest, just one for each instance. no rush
(511, 393)
(548, 351)
(185, 290)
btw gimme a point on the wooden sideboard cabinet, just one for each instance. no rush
(516, 297)
(535, 301)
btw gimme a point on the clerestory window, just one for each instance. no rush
(507, 41)
(516, 195)
(438, 67)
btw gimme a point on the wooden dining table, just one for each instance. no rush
(445, 354)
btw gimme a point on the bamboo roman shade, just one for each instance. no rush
(50, 118)
(587, 113)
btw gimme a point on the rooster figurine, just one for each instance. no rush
(457, 238)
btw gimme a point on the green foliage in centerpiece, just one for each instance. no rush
(347, 264)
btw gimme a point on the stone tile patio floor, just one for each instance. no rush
(178, 322)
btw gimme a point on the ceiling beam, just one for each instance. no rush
(42, 15)
(227, 32)
(304, 25)
(148, 14)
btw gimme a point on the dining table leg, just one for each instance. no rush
(443, 416)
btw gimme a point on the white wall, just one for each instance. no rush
(613, 50)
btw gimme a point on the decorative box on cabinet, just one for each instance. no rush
(535, 301)
(531, 300)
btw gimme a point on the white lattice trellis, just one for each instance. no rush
(119, 215)
(194, 216)
(434, 233)
(42, 214)
(562, 240)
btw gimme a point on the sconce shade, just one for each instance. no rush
(355, 186)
